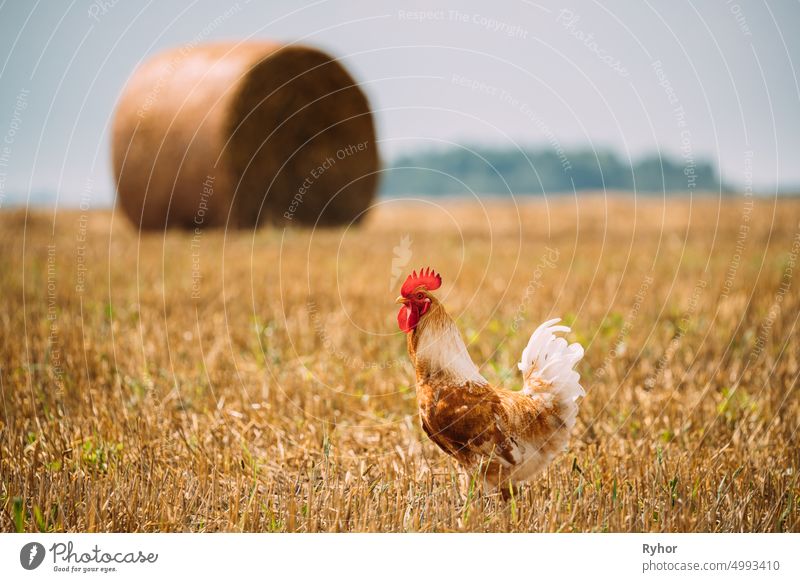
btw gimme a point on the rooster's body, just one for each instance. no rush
(509, 436)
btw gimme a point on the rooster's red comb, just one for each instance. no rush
(427, 278)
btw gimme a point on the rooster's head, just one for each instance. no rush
(416, 298)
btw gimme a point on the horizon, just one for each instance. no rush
(47, 198)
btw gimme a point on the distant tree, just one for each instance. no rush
(460, 170)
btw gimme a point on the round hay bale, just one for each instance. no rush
(240, 135)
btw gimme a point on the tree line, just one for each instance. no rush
(512, 171)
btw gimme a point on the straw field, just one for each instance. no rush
(257, 381)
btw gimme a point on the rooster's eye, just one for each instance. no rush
(420, 296)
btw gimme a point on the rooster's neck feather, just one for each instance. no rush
(438, 351)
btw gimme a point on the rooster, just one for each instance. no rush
(509, 437)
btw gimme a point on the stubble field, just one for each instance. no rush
(257, 381)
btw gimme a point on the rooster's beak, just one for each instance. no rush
(401, 299)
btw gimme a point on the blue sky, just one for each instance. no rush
(715, 77)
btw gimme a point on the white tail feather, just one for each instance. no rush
(548, 364)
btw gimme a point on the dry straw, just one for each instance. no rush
(239, 135)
